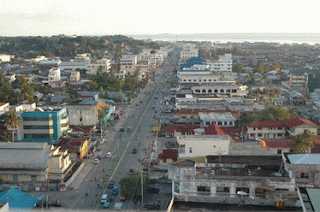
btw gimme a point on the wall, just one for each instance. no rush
(88, 113)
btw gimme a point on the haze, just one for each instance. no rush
(47, 18)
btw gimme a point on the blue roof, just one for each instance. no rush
(314, 196)
(307, 159)
(192, 61)
(19, 200)
(88, 102)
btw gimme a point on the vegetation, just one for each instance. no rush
(303, 142)
(131, 184)
(275, 113)
(12, 121)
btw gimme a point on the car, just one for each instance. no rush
(152, 206)
(136, 105)
(111, 184)
(156, 97)
(96, 161)
(106, 205)
(121, 129)
(104, 198)
(115, 191)
(122, 197)
(131, 171)
(129, 129)
(134, 151)
(152, 190)
(109, 155)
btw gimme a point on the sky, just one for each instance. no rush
(133, 17)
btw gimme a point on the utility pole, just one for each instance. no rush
(141, 188)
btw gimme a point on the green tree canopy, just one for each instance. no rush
(131, 184)
(12, 121)
(303, 142)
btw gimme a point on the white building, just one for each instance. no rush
(73, 65)
(4, 58)
(128, 63)
(223, 64)
(188, 53)
(203, 145)
(220, 119)
(54, 74)
(121, 74)
(93, 67)
(75, 76)
(221, 87)
(11, 77)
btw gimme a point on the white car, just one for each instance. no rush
(109, 155)
(104, 198)
(96, 161)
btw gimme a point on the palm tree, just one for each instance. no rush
(12, 121)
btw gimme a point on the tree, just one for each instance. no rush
(5, 137)
(303, 142)
(12, 121)
(131, 184)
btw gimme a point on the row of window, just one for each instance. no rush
(270, 128)
(37, 118)
(216, 91)
(209, 80)
(38, 135)
(35, 127)
(65, 125)
(220, 123)
(260, 134)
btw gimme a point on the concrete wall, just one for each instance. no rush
(82, 114)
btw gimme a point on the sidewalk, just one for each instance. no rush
(80, 177)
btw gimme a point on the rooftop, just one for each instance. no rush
(305, 159)
(216, 116)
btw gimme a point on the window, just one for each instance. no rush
(207, 123)
(304, 175)
(230, 123)
(190, 150)
(279, 134)
(279, 128)
(176, 188)
(204, 80)
(182, 149)
(189, 80)
(15, 178)
(259, 135)
(219, 123)
(225, 123)
(221, 91)
(184, 80)
(203, 190)
(254, 128)
(194, 80)
(34, 178)
(204, 91)
(279, 151)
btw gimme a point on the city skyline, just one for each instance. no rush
(38, 18)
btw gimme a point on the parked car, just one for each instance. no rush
(109, 155)
(106, 205)
(153, 190)
(111, 184)
(122, 197)
(131, 171)
(115, 191)
(104, 198)
(129, 129)
(152, 206)
(96, 161)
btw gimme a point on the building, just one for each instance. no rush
(24, 164)
(265, 130)
(230, 179)
(4, 58)
(11, 77)
(4, 107)
(221, 88)
(220, 119)
(128, 63)
(77, 147)
(296, 126)
(54, 75)
(83, 114)
(208, 141)
(223, 64)
(75, 76)
(303, 168)
(44, 124)
(93, 67)
(59, 165)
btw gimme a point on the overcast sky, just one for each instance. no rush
(95, 17)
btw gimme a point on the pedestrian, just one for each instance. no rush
(103, 170)
(95, 178)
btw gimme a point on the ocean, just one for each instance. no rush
(299, 38)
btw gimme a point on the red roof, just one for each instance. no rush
(260, 124)
(71, 144)
(214, 129)
(84, 129)
(295, 122)
(181, 128)
(234, 129)
(169, 154)
(279, 143)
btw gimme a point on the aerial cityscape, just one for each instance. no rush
(158, 109)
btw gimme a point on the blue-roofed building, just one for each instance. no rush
(44, 124)
(304, 168)
(192, 61)
(19, 200)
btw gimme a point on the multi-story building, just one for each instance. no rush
(220, 119)
(128, 63)
(4, 58)
(79, 62)
(298, 81)
(54, 75)
(220, 87)
(255, 180)
(44, 124)
(265, 129)
(74, 76)
(83, 114)
(223, 64)
(188, 53)
(93, 67)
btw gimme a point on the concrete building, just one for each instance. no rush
(188, 53)
(220, 119)
(83, 114)
(4, 107)
(59, 165)
(296, 126)
(223, 64)
(4, 58)
(104, 64)
(44, 124)
(233, 180)
(221, 87)
(265, 130)
(54, 75)
(75, 76)
(128, 63)
(77, 147)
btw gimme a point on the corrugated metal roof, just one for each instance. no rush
(314, 196)
(307, 159)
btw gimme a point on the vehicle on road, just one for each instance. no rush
(121, 129)
(152, 206)
(136, 105)
(109, 155)
(152, 190)
(153, 107)
(104, 198)
(129, 129)
(122, 197)
(111, 184)
(118, 206)
(134, 151)
(115, 191)
(131, 171)
(106, 205)
(96, 161)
